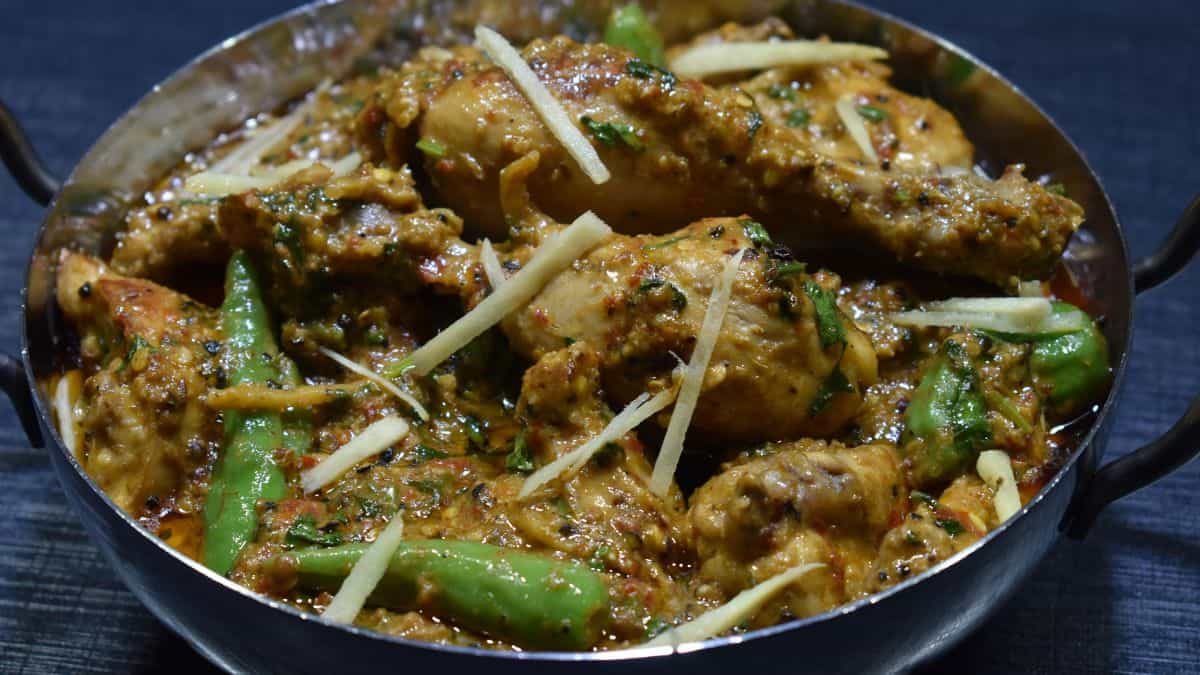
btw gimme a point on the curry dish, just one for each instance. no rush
(764, 342)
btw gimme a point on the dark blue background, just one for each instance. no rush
(1119, 76)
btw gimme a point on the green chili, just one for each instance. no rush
(245, 472)
(946, 421)
(629, 27)
(951, 526)
(531, 600)
(1071, 369)
(1009, 410)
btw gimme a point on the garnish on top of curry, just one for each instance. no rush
(583, 346)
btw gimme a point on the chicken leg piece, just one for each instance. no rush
(680, 150)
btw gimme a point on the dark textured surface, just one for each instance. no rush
(1119, 76)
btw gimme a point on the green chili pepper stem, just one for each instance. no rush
(246, 472)
(534, 601)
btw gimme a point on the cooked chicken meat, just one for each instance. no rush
(146, 430)
(641, 300)
(693, 151)
(805, 502)
(833, 440)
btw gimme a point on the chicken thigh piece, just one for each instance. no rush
(792, 504)
(147, 356)
(680, 150)
(780, 369)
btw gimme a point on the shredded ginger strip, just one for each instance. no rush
(737, 610)
(378, 379)
(551, 258)
(856, 127)
(639, 410)
(366, 573)
(373, 440)
(995, 468)
(491, 264)
(693, 378)
(547, 107)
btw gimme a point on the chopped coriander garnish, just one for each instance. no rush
(870, 112)
(678, 299)
(199, 200)
(376, 337)
(651, 283)
(923, 497)
(655, 626)
(756, 122)
(664, 243)
(394, 370)
(644, 71)
(789, 268)
(829, 324)
(431, 148)
(610, 134)
(782, 92)
(608, 454)
(137, 344)
(836, 383)
(304, 531)
(520, 459)
(1057, 189)
(756, 233)
(474, 429)
(429, 486)
(799, 117)
(424, 453)
(598, 556)
(951, 526)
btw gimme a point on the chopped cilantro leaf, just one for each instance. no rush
(829, 324)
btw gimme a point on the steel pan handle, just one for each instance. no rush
(41, 186)
(23, 161)
(1181, 443)
(16, 385)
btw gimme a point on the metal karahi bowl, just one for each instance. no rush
(266, 66)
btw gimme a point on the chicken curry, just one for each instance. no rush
(793, 350)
